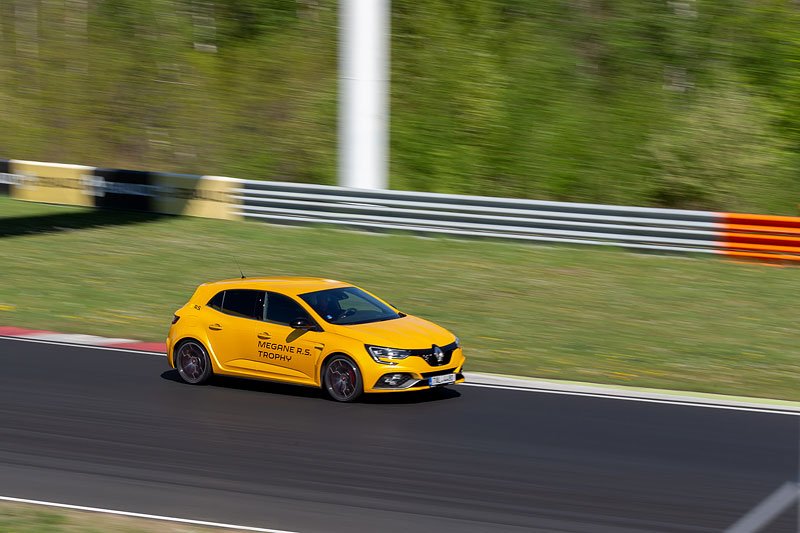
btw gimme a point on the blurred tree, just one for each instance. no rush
(242, 20)
(611, 101)
(721, 154)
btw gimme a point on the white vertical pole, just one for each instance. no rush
(364, 93)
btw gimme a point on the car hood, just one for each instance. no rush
(407, 332)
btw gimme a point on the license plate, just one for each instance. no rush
(445, 379)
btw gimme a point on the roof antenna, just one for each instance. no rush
(240, 268)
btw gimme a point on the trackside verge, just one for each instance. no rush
(150, 517)
(474, 379)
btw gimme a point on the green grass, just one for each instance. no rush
(588, 314)
(24, 518)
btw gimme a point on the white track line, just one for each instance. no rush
(77, 338)
(686, 401)
(143, 515)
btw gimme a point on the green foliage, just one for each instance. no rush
(612, 101)
(722, 154)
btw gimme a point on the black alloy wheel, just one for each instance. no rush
(342, 379)
(192, 362)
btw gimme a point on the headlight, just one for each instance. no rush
(458, 342)
(385, 356)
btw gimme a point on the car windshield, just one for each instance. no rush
(348, 305)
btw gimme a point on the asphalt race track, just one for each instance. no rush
(117, 430)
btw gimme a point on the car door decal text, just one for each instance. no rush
(281, 352)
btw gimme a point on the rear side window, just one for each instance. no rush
(282, 310)
(216, 301)
(240, 302)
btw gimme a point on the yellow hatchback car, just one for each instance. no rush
(309, 331)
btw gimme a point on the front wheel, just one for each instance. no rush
(342, 379)
(192, 362)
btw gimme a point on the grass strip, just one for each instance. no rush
(28, 518)
(586, 314)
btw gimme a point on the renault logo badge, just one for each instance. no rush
(438, 354)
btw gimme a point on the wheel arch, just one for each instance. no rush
(324, 362)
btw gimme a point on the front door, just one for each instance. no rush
(288, 352)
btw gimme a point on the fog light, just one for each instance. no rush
(393, 381)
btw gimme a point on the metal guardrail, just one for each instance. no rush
(480, 216)
(738, 235)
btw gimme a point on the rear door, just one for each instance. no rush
(234, 316)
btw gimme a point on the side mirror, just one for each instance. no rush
(301, 323)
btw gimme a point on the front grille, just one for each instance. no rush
(430, 355)
(424, 351)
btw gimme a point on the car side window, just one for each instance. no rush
(282, 310)
(244, 303)
(216, 301)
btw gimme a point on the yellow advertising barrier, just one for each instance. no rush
(196, 196)
(172, 194)
(52, 183)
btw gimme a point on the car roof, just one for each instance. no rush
(284, 284)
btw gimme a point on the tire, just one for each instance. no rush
(341, 379)
(192, 362)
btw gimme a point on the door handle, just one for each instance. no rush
(215, 327)
(264, 336)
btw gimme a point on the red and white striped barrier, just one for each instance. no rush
(81, 339)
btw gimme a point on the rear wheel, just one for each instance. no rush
(192, 362)
(342, 379)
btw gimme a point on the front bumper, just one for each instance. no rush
(415, 372)
(413, 383)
